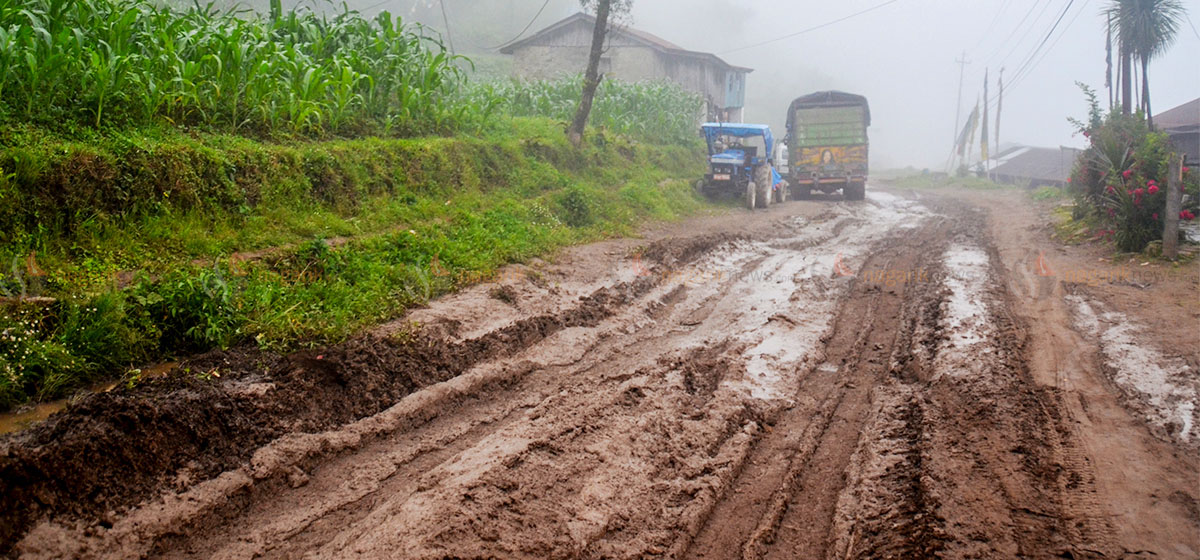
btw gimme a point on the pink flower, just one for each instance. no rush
(1138, 191)
(1127, 174)
(1087, 134)
(1150, 182)
(1154, 215)
(1109, 189)
(1153, 189)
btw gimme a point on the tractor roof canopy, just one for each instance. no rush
(738, 130)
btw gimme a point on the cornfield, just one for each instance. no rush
(133, 62)
(656, 111)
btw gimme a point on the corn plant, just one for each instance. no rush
(133, 62)
(656, 111)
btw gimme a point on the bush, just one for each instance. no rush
(1121, 177)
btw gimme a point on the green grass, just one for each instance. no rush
(1049, 193)
(143, 278)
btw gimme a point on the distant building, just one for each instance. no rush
(1028, 166)
(632, 55)
(1182, 124)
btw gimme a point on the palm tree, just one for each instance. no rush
(1144, 29)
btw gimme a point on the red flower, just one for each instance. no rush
(1185, 170)
(1068, 179)
(1127, 174)
(1138, 191)
(1153, 189)
(1154, 215)
(1087, 134)
(1150, 182)
(1186, 215)
(1109, 189)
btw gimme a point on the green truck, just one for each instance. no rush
(827, 144)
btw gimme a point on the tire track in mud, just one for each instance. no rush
(738, 399)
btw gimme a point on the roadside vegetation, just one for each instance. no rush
(1119, 182)
(177, 181)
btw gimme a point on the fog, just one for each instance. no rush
(901, 56)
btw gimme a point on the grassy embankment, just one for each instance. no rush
(149, 239)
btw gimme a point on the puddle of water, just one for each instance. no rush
(779, 345)
(1166, 385)
(965, 311)
(27, 416)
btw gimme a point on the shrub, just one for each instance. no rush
(1121, 177)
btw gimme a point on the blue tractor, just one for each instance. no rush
(739, 164)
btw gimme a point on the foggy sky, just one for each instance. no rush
(901, 57)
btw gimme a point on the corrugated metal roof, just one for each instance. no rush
(648, 39)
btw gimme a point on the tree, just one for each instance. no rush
(1144, 30)
(591, 78)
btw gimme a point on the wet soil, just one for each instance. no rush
(825, 379)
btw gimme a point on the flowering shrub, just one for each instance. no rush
(1121, 177)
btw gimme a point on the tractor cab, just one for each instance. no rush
(739, 162)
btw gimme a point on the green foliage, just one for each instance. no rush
(414, 218)
(1121, 178)
(137, 62)
(653, 111)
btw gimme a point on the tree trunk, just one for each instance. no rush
(591, 79)
(1146, 90)
(1126, 81)
(1170, 242)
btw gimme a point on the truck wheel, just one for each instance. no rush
(762, 178)
(803, 193)
(855, 190)
(751, 188)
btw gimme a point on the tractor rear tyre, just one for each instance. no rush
(855, 190)
(751, 189)
(762, 178)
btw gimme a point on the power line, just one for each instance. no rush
(1190, 24)
(527, 26)
(983, 36)
(1027, 69)
(999, 48)
(1016, 45)
(814, 28)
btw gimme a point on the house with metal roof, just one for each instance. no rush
(632, 55)
(1182, 125)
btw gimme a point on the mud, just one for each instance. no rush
(820, 380)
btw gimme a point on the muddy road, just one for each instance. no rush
(894, 378)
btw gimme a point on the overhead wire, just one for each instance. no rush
(527, 26)
(813, 28)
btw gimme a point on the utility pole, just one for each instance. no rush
(962, 62)
(999, 107)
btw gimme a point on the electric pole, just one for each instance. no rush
(962, 62)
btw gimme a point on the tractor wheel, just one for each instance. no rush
(751, 189)
(699, 186)
(781, 195)
(762, 178)
(855, 191)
